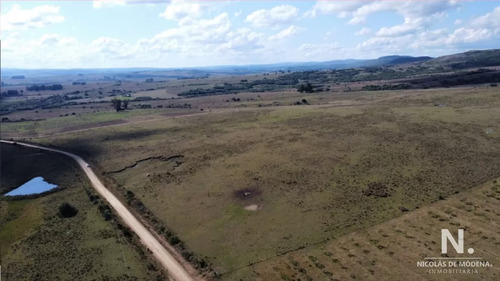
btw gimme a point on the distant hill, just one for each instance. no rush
(467, 60)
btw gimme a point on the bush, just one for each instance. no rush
(67, 211)
(377, 189)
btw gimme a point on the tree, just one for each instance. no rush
(67, 211)
(125, 104)
(117, 104)
(308, 88)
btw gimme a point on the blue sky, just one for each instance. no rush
(178, 33)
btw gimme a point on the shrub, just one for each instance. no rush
(377, 189)
(67, 211)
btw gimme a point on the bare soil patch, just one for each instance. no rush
(253, 208)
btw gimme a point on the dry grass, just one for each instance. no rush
(392, 249)
(37, 244)
(312, 164)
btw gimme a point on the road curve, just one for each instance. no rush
(174, 268)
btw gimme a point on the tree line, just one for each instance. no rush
(36, 88)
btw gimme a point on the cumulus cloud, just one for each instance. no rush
(37, 17)
(415, 33)
(340, 8)
(285, 33)
(363, 31)
(274, 17)
(489, 20)
(204, 31)
(239, 41)
(202, 38)
(320, 51)
(358, 11)
(179, 9)
(97, 4)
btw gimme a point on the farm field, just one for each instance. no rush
(250, 141)
(250, 189)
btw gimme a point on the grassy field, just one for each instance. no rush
(84, 121)
(37, 244)
(392, 249)
(251, 184)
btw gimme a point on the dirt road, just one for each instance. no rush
(174, 268)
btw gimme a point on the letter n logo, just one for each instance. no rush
(446, 236)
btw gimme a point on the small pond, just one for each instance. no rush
(35, 186)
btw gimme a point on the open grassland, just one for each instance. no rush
(245, 185)
(76, 123)
(37, 244)
(391, 250)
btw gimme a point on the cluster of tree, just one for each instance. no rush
(385, 87)
(312, 75)
(143, 98)
(261, 85)
(79, 83)
(11, 93)
(143, 106)
(185, 105)
(308, 88)
(54, 101)
(36, 88)
(119, 104)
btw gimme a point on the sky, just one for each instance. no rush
(179, 33)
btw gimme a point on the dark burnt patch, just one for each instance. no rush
(247, 193)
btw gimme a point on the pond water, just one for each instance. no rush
(35, 186)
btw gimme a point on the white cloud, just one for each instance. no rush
(179, 9)
(111, 47)
(239, 41)
(274, 17)
(363, 31)
(193, 37)
(203, 36)
(340, 8)
(37, 17)
(97, 4)
(398, 30)
(468, 35)
(320, 51)
(415, 34)
(358, 11)
(50, 49)
(286, 33)
(489, 20)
